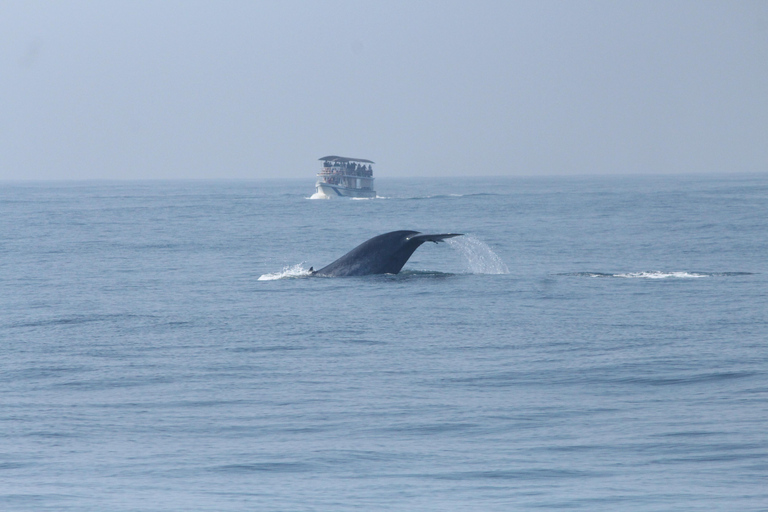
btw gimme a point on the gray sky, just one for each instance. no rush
(262, 89)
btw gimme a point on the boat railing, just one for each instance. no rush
(341, 172)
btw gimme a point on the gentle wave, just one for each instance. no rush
(73, 320)
(449, 196)
(265, 467)
(698, 378)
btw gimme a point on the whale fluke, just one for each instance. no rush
(383, 254)
(434, 238)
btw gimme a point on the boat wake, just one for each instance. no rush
(297, 270)
(479, 258)
(406, 198)
(656, 274)
(320, 195)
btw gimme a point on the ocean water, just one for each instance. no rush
(594, 343)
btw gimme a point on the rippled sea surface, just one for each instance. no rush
(590, 344)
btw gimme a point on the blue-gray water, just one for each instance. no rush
(620, 364)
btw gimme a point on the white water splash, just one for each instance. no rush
(319, 195)
(295, 271)
(479, 257)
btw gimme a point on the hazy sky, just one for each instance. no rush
(262, 89)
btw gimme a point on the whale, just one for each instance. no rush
(382, 254)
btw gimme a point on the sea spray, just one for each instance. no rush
(297, 270)
(480, 258)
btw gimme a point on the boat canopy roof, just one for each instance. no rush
(342, 159)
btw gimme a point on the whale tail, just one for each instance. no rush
(433, 238)
(383, 254)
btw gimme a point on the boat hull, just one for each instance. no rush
(338, 191)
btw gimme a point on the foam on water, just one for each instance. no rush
(297, 270)
(480, 258)
(660, 275)
(656, 274)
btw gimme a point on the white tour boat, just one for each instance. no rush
(345, 177)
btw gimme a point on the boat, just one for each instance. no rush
(345, 177)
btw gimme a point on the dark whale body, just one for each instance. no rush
(383, 254)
